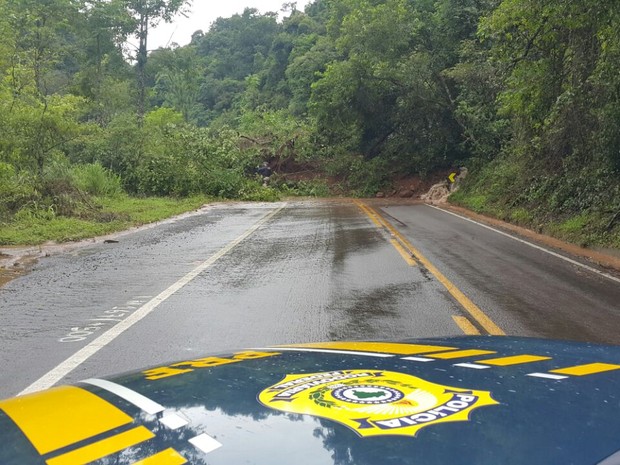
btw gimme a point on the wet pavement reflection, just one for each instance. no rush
(318, 270)
(315, 271)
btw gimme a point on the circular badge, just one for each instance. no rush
(373, 402)
(367, 394)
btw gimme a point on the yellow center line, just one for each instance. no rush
(403, 253)
(461, 298)
(395, 243)
(466, 326)
(370, 215)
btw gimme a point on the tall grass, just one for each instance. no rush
(96, 180)
(36, 225)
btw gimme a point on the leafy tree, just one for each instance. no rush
(179, 76)
(104, 27)
(38, 116)
(147, 14)
(387, 97)
(236, 47)
(42, 43)
(307, 62)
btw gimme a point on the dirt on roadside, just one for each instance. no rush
(12, 266)
(414, 186)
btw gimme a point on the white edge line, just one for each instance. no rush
(546, 375)
(418, 359)
(537, 247)
(471, 365)
(205, 443)
(142, 402)
(79, 357)
(326, 351)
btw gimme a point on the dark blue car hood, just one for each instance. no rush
(470, 400)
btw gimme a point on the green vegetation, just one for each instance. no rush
(554, 115)
(109, 215)
(526, 94)
(577, 207)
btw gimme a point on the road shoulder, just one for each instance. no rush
(604, 260)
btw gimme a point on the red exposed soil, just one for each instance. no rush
(410, 186)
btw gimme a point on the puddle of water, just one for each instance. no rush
(13, 267)
(7, 275)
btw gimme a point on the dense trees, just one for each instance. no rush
(550, 121)
(526, 92)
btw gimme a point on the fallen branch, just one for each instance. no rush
(612, 221)
(254, 140)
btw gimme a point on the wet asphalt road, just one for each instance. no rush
(256, 275)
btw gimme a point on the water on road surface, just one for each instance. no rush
(255, 275)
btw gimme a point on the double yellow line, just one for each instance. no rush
(412, 254)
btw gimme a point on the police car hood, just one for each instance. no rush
(471, 400)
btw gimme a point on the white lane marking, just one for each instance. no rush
(205, 443)
(142, 402)
(418, 359)
(116, 314)
(475, 366)
(546, 375)
(64, 368)
(327, 351)
(537, 247)
(173, 421)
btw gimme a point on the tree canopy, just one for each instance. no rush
(526, 92)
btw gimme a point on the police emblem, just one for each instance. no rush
(374, 403)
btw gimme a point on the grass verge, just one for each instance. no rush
(577, 207)
(110, 215)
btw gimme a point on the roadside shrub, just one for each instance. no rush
(223, 183)
(124, 147)
(476, 202)
(159, 175)
(256, 192)
(574, 203)
(363, 177)
(575, 225)
(35, 211)
(521, 216)
(16, 189)
(58, 188)
(96, 180)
